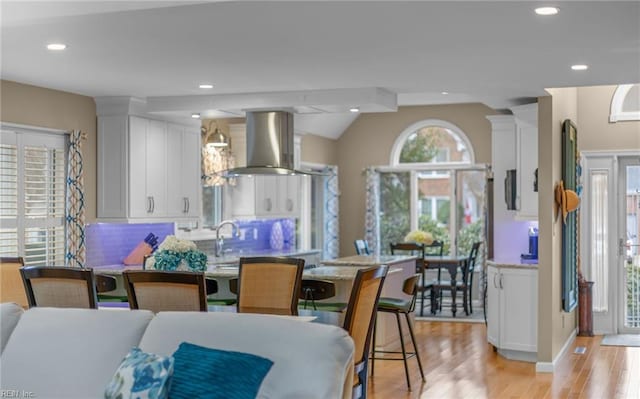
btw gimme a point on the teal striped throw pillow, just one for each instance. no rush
(201, 372)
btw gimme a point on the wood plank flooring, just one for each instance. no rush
(459, 363)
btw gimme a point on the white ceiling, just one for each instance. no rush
(286, 53)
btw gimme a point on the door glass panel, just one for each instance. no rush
(470, 204)
(599, 232)
(434, 205)
(395, 191)
(631, 255)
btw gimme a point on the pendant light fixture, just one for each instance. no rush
(216, 156)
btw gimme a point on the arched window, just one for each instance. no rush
(625, 105)
(432, 184)
(431, 142)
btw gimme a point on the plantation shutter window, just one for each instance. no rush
(32, 196)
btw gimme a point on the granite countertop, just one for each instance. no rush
(368, 260)
(511, 264)
(228, 271)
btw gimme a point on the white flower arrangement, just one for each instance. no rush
(420, 237)
(173, 243)
(177, 254)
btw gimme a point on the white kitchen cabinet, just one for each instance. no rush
(526, 161)
(512, 310)
(183, 191)
(147, 169)
(263, 196)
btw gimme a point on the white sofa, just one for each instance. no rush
(73, 353)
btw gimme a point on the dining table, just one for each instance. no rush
(451, 263)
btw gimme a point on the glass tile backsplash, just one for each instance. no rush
(110, 243)
(257, 236)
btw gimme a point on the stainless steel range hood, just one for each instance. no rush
(270, 147)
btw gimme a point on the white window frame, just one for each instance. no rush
(402, 138)
(20, 136)
(616, 113)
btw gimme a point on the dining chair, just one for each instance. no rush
(436, 248)
(418, 250)
(159, 291)
(398, 306)
(359, 321)
(465, 284)
(362, 247)
(60, 287)
(312, 290)
(269, 285)
(11, 286)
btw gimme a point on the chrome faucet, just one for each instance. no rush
(235, 232)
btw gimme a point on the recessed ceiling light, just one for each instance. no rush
(579, 67)
(206, 86)
(444, 93)
(546, 10)
(195, 115)
(56, 46)
(354, 109)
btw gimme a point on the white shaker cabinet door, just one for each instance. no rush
(156, 163)
(493, 306)
(139, 200)
(191, 178)
(519, 310)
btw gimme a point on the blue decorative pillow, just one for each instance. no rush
(141, 375)
(216, 374)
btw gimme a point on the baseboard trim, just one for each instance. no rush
(549, 367)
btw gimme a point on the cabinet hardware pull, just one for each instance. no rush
(149, 205)
(188, 204)
(501, 286)
(494, 280)
(289, 204)
(153, 204)
(267, 204)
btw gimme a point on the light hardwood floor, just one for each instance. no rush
(459, 363)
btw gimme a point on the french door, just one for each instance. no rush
(609, 239)
(628, 248)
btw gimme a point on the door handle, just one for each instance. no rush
(501, 286)
(153, 204)
(188, 204)
(185, 204)
(494, 280)
(149, 208)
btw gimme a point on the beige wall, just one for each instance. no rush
(595, 132)
(554, 325)
(320, 150)
(37, 106)
(369, 141)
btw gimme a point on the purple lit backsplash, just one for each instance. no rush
(110, 243)
(255, 237)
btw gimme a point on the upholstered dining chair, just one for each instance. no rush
(269, 285)
(11, 286)
(398, 306)
(359, 321)
(60, 287)
(418, 250)
(158, 291)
